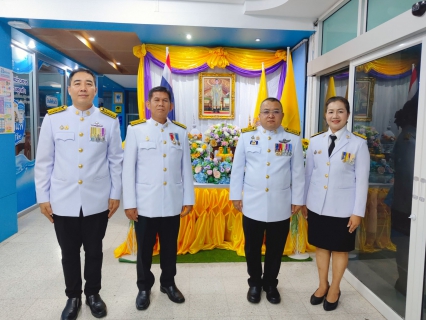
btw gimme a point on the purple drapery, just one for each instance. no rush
(376, 74)
(242, 72)
(282, 81)
(147, 86)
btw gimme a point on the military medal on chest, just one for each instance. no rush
(348, 157)
(97, 132)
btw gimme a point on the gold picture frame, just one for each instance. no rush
(364, 99)
(216, 95)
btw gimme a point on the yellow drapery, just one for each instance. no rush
(390, 66)
(215, 223)
(140, 52)
(185, 58)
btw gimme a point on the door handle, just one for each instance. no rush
(413, 217)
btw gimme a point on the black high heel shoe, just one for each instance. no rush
(328, 306)
(318, 300)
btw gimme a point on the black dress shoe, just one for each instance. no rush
(142, 299)
(272, 294)
(97, 305)
(253, 294)
(71, 309)
(174, 294)
(328, 306)
(318, 300)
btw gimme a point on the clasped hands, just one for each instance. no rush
(354, 220)
(238, 204)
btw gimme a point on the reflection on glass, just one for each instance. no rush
(335, 84)
(385, 111)
(380, 11)
(51, 86)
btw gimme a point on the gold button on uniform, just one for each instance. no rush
(269, 138)
(267, 177)
(266, 189)
(165, 169)
(325, 187)
(77, 112)
(269, 150)
(162, 130)
(328, 163)
(156, 124)
(267, 163)
(165, 142)
(326, 175)
(164, 182)
(80, 166)
(80, 150)
(81, 119)
(80, 181)
(81, 134)
(164, 155)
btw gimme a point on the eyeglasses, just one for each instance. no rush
(273, 112)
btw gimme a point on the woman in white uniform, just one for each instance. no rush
(336, 187)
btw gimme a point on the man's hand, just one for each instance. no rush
(132, 214)
(353, 223)
(238, 204)
(295, 208)
(113, 205)
(46, 209)
(305, 212)
(185, 210)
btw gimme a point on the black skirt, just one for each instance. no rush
(330, 233)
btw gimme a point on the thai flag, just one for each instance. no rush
(166, 81)
(414, 84)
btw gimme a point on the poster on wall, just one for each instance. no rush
(7, 116)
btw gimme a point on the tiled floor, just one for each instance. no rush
(32, 285)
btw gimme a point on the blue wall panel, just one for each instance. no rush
(299, 65)
(8, 217)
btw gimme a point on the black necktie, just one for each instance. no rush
(332, 145)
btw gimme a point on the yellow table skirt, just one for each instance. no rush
(215, 223)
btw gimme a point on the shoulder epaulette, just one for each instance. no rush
(248, 129)
(108, 113)
(360, 135)
(297, 133)
(317, 133)
(179, 124)
(56, 110)
(135, 122)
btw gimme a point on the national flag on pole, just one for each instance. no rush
(166, 81)
(262, 95)
(291, 120)
(414, 83)
(331, 90)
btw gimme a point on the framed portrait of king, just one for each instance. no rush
(216, 95)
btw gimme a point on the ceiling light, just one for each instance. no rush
(188, 36)
(31, 44)
(118, 63)
(19, 24)
(258, 39)
(92, 39)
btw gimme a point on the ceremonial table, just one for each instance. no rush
(215, 223)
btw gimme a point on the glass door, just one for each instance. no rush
(385, 109)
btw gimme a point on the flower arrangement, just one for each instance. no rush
(222, 135)
(373, 138)
(212, 170)
(198, 149)
(305, 145)
(194, 137)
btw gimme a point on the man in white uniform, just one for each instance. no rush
(78, 186)
(158, 189)
(268, 167)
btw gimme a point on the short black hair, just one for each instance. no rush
(340, 99)
(81, 70)
(272, 99)
(159, 89)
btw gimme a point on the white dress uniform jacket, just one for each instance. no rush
(157, 173)
(74, 169)
(271, 182)
(337, 186)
